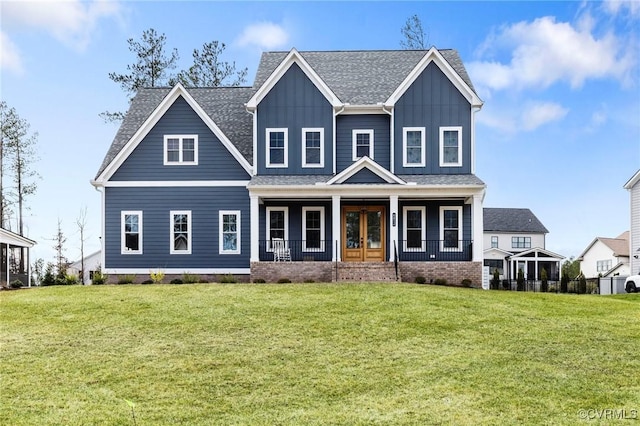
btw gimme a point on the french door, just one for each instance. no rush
(363, 234)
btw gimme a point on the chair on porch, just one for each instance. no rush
(280, 251)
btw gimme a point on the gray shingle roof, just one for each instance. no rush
(360, 77)
(512, 220)
(430, 180)
(224, 105)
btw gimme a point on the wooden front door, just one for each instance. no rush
(363, 234)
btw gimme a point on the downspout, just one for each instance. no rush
(254, 116)
(474, 110)
(335, 114)
(391, 139)
(100, 188)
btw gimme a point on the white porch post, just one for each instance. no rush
(393, 229)
(478, 228)
(336, 230)
(255, 227)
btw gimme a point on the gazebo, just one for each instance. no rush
(15, 258)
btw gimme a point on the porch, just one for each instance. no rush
(15, 263)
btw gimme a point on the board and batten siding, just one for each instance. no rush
(432, 102)
(156, 203)
(294, 103)
(346, 124)
(146, 162)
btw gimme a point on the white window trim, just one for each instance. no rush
(305, 130)
(221, 215)
(304, 229)
(354, 149)
(268, 225)
(123, 248)
(268, 163)
(423, 146)
(172, 213)
(423, 230)
(460, 228)
(445, 129)
(497, 241)
(180, 162)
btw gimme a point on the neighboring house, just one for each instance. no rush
(335, 160)
(606, 257)
(15, 264)
(633, 186)
(515, 239)
(91, 264)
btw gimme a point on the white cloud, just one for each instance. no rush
(9, 56)
(265, 35)
(544, 52)
(537, 114)
(617, 7)
(71, 21)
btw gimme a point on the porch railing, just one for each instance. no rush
(435, 250)
(299, 250)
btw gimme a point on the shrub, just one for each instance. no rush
(440, 281)
(48, 278)
(495, 281)
(148, 282)
(228, 279)
(98, 277)
(156, 276)
(190, 278)
(70, 279)
(176, 281)
(466, 282)
(125, 279)
(259, 281)
(564, 283)
(309, 281)
(544, 286)
(520, 280)
(506, 284)
(420, 279)
(582, 284)
(15, 284)
(284, 280)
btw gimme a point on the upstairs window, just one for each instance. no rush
(131, 232)
(450, 146)
(313, 147)
(180, 232)
(603, 265)
(413, 147)
(494, 241)
(451, 228)
(521, 242)
(180, 150)
(277, 147)
(415, 229)
(362, 144)
(229, 221)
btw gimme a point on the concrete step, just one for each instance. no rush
(367, 272)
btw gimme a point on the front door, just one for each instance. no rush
(363, 233)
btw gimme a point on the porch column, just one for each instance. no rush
(336, 230)
(393, 229)
(478, 228)
(255, 227)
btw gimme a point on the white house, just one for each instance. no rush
(91, 264)
(606, 257)
(633, 186)
(514, 239)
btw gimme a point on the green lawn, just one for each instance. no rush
(353, 354)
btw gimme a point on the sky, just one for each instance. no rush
(559, 132)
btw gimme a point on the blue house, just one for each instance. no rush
(338, 165)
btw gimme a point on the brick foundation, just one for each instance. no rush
(453, 272)
(296, 272)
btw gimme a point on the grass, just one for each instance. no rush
(315, 354)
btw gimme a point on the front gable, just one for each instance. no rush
(365, 170)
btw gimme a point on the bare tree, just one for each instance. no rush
(59, 240)
(208, 70)
(81, 222)
(414, 35)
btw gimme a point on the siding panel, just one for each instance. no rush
(345, 124)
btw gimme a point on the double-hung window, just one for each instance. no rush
(180, 232)
(451, 228)
(362, 144)
(413, 147)
(415, 228)
(521, 242)
(277, 225)
(131, 232)
(277, 141)
(313, 228)
(494, 241)
(450, 146)
(180, 150)
(603, 265)
(229, 223)
(313, 147)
